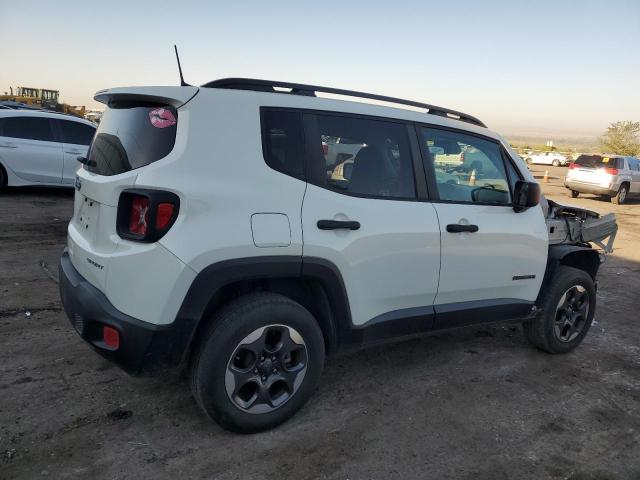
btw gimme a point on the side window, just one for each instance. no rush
(363, 157)
(467, 168)
(635, 164)
(76, 132)
(283, 142)
(30, 128)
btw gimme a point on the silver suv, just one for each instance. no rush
(614, 176)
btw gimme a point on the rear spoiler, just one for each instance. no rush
(174, 96)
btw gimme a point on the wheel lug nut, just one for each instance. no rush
(273, 357)
(255, 370)
(264, 378)
(275, 370)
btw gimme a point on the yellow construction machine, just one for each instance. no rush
(41, 98)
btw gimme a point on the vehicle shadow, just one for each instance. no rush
(600, 198)
(38, 190)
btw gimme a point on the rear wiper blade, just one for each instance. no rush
(86, 161)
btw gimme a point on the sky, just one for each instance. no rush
(523, 67)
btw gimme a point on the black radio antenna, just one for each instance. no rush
(182, 82)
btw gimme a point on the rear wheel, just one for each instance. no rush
(529, 161)
(3, 178)
(574, 194)
(621, 196)
(555, 163)
(566, 312)
(259, 362)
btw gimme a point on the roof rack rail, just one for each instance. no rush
(310, 90)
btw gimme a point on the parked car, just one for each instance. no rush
(337, 150)
(247, 273)
(547, 158)
(41, 148)
(442, 159)
(613, 176)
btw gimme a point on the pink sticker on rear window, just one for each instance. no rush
(162, 118)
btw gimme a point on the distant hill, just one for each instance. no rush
(574, 143)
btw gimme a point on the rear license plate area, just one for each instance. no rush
(87, 217)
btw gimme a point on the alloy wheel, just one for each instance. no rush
(622, 195)
(266, 369)
(571, 313)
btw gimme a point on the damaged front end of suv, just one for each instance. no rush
(573, 225)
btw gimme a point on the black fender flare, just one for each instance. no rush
(210, 281)
(580, 256)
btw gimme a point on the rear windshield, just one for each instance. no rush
(131, 136)
(598, 161)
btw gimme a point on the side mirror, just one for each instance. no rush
(525, 195)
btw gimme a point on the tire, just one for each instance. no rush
(529, 161)
(555, 163)
(622, 195)
(552, 330)
(574, 194)
(229, 381)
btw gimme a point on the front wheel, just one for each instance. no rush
(566, 311)
(258, 363)
(574, 194)
(555, 163)
(621, 196)
(529, 161)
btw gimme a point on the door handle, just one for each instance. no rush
(75, 152)
(338, 224)
(459, 228)
(8, 145)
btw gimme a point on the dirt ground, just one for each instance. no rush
(478, 403)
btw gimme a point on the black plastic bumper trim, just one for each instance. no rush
(144, 347)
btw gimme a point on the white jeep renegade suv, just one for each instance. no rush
(209, 233)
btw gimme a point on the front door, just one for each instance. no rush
(361, 213)
(493, 259)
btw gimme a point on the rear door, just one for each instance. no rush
(29, 148)
(365, 217)
(76, 137)
(634, 166)
(493, 259)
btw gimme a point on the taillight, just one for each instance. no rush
(572, 166)
(164, 213)
(146, 215)
(139, 215)
(611, 171)
(111, 337)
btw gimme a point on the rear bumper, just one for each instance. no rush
(144, 347)
(589, 188)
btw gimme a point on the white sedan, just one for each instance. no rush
(547, 158)
(41, 147)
